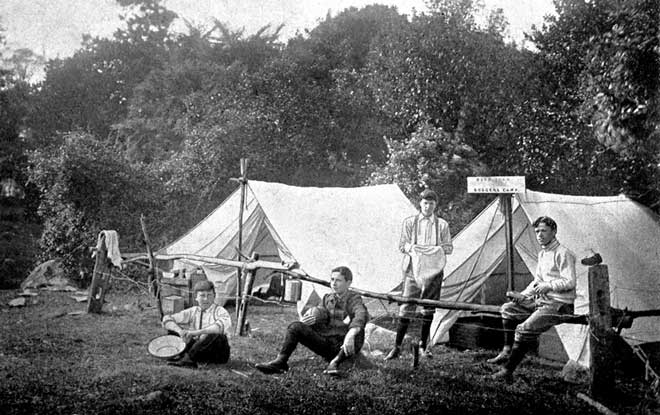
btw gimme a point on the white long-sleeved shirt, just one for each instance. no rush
(429, 231)
(194, 318)
(556, 265)
(426, 232)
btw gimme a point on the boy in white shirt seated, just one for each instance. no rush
(205, 329)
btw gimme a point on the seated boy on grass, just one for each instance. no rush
(204, 327)
(323, 329)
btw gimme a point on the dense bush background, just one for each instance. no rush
(154, 122)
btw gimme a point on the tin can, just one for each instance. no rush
(292, 290)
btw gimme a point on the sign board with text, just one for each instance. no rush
(496, 184)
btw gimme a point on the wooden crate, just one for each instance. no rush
(172, 304)
(476, 333)
(177, 287)
(194, 279)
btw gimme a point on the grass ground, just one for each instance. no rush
(55, 362)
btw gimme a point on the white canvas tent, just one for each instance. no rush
(625, 233)
(319, 228)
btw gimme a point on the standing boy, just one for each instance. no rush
(425, 240)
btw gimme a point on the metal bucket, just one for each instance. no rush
(292, 290)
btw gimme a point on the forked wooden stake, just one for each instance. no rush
(100, 278)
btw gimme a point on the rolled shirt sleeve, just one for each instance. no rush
(405, 240)
(222, 319)
(445, 237)
(184, 317)
(357, 312)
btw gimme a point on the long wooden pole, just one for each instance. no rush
(100, 278)
(247, 289)
(292, 271)
(451, 305)
(239, 278)
(297, 274)
(505, 202)
(277, 266)
(601, 408)
(243, 182)
(154, 275)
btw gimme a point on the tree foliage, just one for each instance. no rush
(368, 95)
(87, 186)
(604, 58)
(90, 90)
(435, 159)
(622, 85)
(17, 232)
(444, 70)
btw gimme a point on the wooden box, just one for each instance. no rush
(194, 279)
(476, 333)
(172, 304)
(177, 287)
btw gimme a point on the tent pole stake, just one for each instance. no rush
(154, 275)
(247, 289)
(100, 279)
(242, 180)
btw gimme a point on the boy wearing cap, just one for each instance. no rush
(428, 232)
(204, 327)
(334, 333)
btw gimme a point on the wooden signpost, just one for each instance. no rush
(504, 186)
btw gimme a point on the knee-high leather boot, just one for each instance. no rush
(509, 326)
(518, 352)
(400, 334)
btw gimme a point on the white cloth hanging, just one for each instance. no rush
(111, 239)
(427, 262)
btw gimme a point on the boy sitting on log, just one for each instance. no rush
(546, 301)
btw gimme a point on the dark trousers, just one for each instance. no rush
(325, 346)
(209, 348)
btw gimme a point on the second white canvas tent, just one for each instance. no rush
(319, 228)
(625, 233)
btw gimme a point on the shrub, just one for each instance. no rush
(86, 186)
